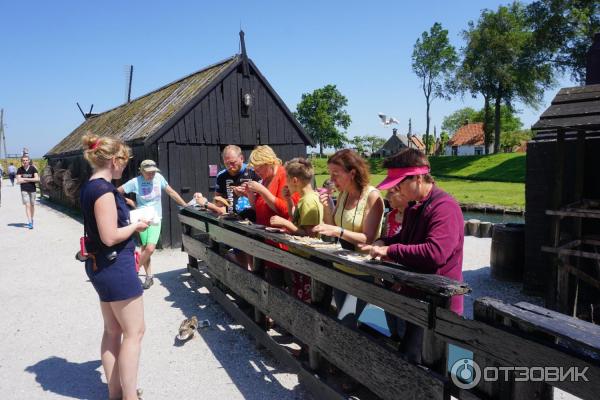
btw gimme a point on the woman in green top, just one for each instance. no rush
(357, 216)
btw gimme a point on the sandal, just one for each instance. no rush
(187, 328)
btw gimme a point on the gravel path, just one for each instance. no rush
(51, 324)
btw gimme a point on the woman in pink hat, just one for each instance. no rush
(432, 235)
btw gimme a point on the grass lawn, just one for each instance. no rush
(507, 194)
(503, 167)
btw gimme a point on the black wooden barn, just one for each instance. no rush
(562, 230)
(184, 126)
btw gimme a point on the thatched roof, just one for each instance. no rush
(144, 116)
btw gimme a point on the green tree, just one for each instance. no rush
(508, 67)
(563, 32)
(509, 121)
(433, 60)
(374, 143)
(452, 122)
(321, 113)
(511, 139)
(358, 142)
(444, 138)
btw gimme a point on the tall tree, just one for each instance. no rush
(563, 32)
(501, 62)
(433, 60)
(321, 113)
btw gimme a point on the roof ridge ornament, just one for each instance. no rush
(245, 69)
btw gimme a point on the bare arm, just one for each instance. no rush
(105, 211)
(372, 218)
(129, 202)
(175, 196)
(201, 200)
(328, 208)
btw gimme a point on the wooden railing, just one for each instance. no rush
(501, 335)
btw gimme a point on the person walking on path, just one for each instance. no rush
(27, 176)
(110, 265)
(12, 173)
(148, 187)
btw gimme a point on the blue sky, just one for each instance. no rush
(54, 54)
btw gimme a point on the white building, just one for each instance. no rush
(467, 141)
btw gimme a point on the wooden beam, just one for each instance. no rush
(383, 372)
(510, 349)
(413, 310)
(396, 273)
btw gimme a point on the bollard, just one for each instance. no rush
(485, 229)
(473, 227)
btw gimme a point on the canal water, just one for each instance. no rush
(495, 218)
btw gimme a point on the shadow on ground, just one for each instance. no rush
(17, 225)
(70, 379)
(252, 373)
(484, 285)
(67, 211)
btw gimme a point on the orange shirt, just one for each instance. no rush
(275, 186)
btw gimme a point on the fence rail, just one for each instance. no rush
(520, 335)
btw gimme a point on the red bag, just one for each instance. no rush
(136, 255)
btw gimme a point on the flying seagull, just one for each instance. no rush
(385, 120)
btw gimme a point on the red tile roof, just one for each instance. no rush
(468, 135)
(417, 142)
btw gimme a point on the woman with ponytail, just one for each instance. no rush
(110, 265)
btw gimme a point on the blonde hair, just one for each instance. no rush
(300, 168)
(263, 155)
(98, 151)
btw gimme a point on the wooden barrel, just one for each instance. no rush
(508, 252)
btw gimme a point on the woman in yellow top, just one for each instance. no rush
(357, 216)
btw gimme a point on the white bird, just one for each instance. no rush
(385, 120)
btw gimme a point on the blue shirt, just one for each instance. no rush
(147, 193)
(224, 180)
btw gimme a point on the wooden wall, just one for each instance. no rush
(197, 139)
(539, 189)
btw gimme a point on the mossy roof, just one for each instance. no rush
(145, 115)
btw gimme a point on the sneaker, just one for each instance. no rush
(149, 281)
(30, 225)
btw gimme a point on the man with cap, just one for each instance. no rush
(148, 189)
(432, 235)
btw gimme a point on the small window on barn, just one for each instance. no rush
(478, 151)
(454, 150)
